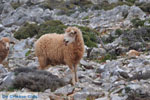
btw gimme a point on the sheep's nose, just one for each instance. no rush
(66, 41)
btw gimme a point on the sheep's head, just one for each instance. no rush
(70, 35)
(6, 41)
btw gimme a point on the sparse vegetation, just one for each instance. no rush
(55, 26)
(86, 17)
(137, 22)
(27, 30)
(106, 57)
(145, 7)
(131, 1)
(119, 32)
(106, 6)
(67, 7)
(28, 53)
(15, 5)
(89, 36)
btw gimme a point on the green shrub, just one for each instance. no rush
(15, 5)
(52, 4)
(145, 7)
(27, 30)
(106, 6)
(52, 26)
(88, 42)
(55, 26)
(82, 3)
(131, 1)
(106, 57)
(119, 32)
(67, 7)
(86, 17)
(137, 22)
(89, 36)
(28, 53)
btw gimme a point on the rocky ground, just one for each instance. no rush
(116, 68)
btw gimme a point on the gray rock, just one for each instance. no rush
(80, 96)
(21, 15)
(113, 66)
(75, 15)
(47, 15)
(142, 1)
(68, 89)
(33, 64)
(86, 64)
(7, 80)
(88, 91)
(134, 86)
(2, 69)
(1, 27)
(15, 17)
(136, 38)
(20, 54)
(82, 15)
(35, 14)
(135, 12)
(103, 98)
(97, 1)
(136, 45)
(7, 9)
(97, 52)
(30, 42)
(36, 80)
(117, 97)
(20, 45)
(37, 1)
(112, 1)
(109, 18)
(107, 86)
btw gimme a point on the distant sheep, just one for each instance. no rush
(4, 48)
(55, 49)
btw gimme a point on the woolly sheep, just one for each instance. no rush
(56, 49)
(4, 48)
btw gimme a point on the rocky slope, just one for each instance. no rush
(110, 68)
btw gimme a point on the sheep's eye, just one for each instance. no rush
(75, 32)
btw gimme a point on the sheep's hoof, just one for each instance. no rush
(40, 68)
(72, 82)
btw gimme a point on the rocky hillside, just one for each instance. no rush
(116, 63)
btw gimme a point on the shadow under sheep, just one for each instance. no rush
(36, 80)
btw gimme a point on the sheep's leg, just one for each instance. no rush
(75, 73)
(42, 62)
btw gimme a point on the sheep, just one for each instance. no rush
(55, 49)
(4, 48)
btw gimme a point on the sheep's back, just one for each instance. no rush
(50, 46)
